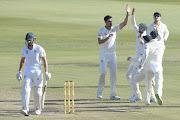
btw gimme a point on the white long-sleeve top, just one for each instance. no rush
(162, 31)
(153, 52)
(139, 45)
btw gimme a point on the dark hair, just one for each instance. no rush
(157, 13)
(107, 17)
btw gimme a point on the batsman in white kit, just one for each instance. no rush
(107, 40)
(31, 57)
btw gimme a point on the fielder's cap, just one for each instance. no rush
(143, 25)
(30, 36)
(147, 38)
(154, 34)
(157, 13)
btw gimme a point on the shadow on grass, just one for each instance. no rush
(117, 86)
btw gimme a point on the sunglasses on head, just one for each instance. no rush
(156, 15)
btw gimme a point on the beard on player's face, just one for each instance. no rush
(30, 42)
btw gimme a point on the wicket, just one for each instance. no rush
(70, 83)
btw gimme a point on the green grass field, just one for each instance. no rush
(67, 30)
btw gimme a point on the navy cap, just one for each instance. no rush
(157, 13)
(154, 34)
(147, 38)
(30, 36)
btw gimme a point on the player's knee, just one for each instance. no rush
(25, 91)
(127, 75)
(159, 76)
(103, 73)
(37, 91)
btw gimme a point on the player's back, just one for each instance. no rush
(156, 52)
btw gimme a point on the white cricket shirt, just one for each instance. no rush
(162, 31)
(33, 57)
(139, 45)
(153, 52)
(110, 44)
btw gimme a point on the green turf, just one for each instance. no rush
(67, 30)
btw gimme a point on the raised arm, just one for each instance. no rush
(133, 20)
(127, 17)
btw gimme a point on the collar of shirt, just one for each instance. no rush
(158, 24)
(107, 29)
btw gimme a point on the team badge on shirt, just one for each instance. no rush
(26, 52)
(34, 50)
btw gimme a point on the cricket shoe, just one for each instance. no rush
(25, 113)
(159, 99)
(153, 100)
(135, 99)
(130, 97)
(115, 98)
(38, 112)
(99, 95)
(147, 103)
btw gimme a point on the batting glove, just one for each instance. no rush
(19, 76)
(47, 76)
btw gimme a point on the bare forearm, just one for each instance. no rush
(125, 21)
(45, 64)
(46, 67)
(100, 41)
(22, 62)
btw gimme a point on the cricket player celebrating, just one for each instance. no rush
(31, 57)
(133, 67)
(152, 62)
(163, 32)
(107, 40)
(162, 29)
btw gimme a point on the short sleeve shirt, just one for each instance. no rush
(33, 57)
(110, 44)
(162, 28)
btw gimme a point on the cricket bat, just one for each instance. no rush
(43, 95)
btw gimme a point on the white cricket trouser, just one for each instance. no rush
(137, 78)
(132, 70)
(108, 58)
(153, 70)
(31, 76)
